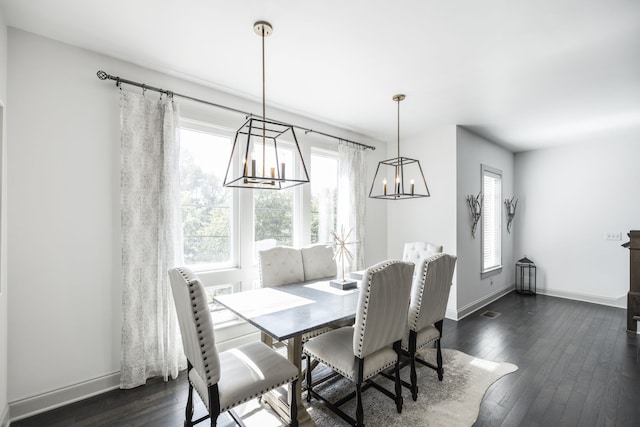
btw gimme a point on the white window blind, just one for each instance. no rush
(491, 219)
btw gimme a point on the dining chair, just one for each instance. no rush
(427, 309)
(280, 265)
(230, 378)
(415, 251)
(284, 265)
(373, 343)
(318, 262)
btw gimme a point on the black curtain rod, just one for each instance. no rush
(104, 76)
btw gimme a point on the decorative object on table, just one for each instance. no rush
(525, 277)
(475, 207)
(342, 252)
(511, 211)
(404, 174)
(257, 161)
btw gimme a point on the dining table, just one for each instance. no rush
(287, 312)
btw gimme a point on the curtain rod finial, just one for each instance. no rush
(102, 75)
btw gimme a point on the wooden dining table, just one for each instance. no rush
(287, 312)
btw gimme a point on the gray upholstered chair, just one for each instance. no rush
(373, 344)
(318, 262)
(415, 251)
(281, 265)
(429, 296)
(223, 380)
(284, 265)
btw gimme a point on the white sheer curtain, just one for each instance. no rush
(351, 201)
(151, 237)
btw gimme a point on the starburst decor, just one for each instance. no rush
(343, 252)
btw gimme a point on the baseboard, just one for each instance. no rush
(4, 418)
(620, 302)
(482, 302)
(27, 407)
(46, 401)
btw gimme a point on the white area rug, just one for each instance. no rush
(453, 402)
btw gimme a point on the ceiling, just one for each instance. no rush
(526, 75)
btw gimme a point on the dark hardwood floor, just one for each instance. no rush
(577, 367)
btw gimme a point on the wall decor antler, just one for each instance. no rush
(511, 211)
(475, 206)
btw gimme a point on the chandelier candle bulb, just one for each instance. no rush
(384, 186)
(253, 167)
(282, 171)
(398, 185)
(412, 187)
(273, 172)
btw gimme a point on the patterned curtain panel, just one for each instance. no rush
(352, 198)
(151, 237)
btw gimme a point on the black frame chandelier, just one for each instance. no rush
(265, 153)
(403, 174)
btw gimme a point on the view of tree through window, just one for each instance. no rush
(273, 209)
(324, 197)
(274, 216)
(206, 204)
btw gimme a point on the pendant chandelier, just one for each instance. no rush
(265, 153)
(400, 177)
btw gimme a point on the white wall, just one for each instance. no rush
(430, 219)
(4, 402)
(473, 291)
(570, 196)
(63, 179)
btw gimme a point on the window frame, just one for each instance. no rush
(234, 235)
(326, 153)
(490, 270)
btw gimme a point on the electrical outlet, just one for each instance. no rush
(610, 235)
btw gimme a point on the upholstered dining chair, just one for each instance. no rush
(318, 262)
(230, 378)
(373, 343)
(415, 251)
(284, 265)
(280, 265)
(427, 309)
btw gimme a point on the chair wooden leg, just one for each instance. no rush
(309, 381)
(293, 405)
(439, 358)
(359, 410)
(398, 383)
(214, 404)
(413, 374)
(440, 370)
(188, 412)
(359, 380)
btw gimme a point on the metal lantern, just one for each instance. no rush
(258, 158)
(400, 177)
(525, 277)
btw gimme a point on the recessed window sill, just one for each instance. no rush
(491, 273)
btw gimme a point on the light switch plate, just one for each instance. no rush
(610, 235)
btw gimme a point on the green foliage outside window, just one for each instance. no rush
(206, 215)
(274, 215)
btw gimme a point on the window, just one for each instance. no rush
(491, 219)
(273, 209)
(324, 195)
(207, 206)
